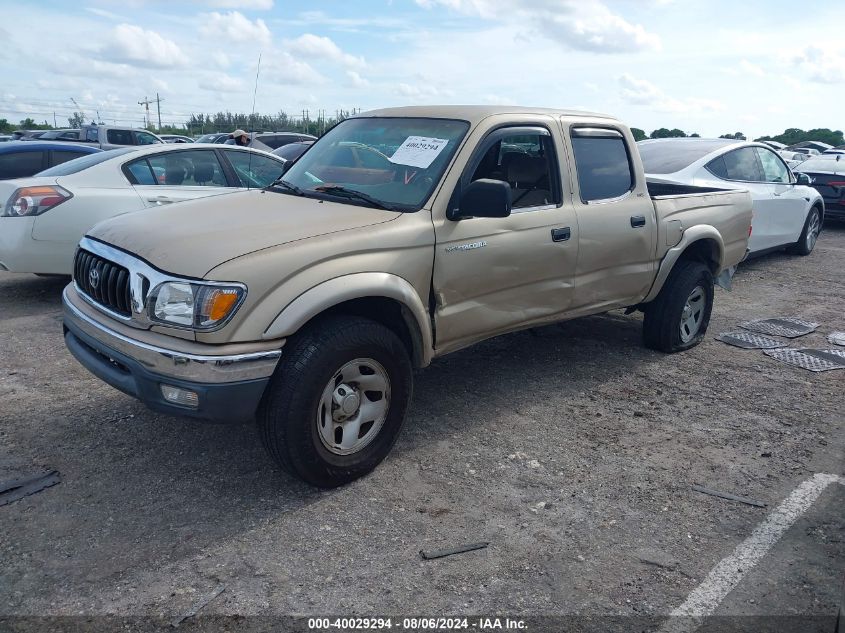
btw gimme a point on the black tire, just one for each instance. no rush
(288, 414)
(804, 246)
(662, 322)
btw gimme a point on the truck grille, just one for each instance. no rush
(103, 281)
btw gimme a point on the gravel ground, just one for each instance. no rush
(571, 449)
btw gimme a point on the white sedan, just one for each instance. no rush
(43, 217)
(787, 212)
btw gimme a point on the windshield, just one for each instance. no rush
(78, 164)
(394, 161)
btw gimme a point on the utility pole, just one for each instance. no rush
(146, 103)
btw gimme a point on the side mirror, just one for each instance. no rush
(802, 179)
(288, 164)
(483, 198)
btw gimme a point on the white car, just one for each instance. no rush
(43, 217)
(787, 212)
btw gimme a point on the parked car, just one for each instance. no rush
(792, 158)
(5, 138)
(175, 138)
(44, 216)
(809, 151)
(776, 145)
(216, 137)
(787, 212)
(292, 151)
(275, 140)
(828, 176)
(67, 134)
(310, 303)
(817, 146)
(112, 136)
(833, 152)
(19, 159)
(18, 135)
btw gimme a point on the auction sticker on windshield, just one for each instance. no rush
(418, 151)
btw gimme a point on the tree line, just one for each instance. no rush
(789, 137)
(283, 122)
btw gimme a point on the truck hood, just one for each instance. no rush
(191, 238)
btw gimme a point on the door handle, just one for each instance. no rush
(160, 200)
(561, 235)
(637, 221)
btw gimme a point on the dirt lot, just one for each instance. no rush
(570, 449)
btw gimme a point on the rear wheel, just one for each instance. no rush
(812, 227)
(678, 318)
(337, 401)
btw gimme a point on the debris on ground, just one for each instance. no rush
(199, 605)
(16, 489)
(441, 553)
(727, 495)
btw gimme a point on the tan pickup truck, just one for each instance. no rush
(401, 235)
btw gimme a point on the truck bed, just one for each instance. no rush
(679, 207)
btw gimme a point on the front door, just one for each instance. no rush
(492, 275)
(175, 176)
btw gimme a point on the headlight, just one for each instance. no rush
(194, 305)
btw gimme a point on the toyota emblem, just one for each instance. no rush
(94, 277)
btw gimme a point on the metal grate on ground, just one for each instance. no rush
(837, 338)
(750, 340)
(810, 359)
(780, 326)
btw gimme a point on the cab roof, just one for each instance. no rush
(475, 113)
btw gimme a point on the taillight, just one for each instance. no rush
(837, 183)
(35, 200)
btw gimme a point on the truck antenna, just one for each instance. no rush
(252, 116)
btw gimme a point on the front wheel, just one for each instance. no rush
(337, 401)
(678, 318)
(812, 227)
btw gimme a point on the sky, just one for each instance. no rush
(705, 66)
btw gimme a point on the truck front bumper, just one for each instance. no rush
(216, 388)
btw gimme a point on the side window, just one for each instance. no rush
(63, 156)
(19, 164)
(142, 138)
(188, 169)
(91, 134)
(254, 170)
(140, 172)
(604, 167)
(119, 137)
(740, 164)
(525, 161)
(773, 168)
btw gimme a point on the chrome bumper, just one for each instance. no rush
(199, 368)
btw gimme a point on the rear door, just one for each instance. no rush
(616, 220)
(252, 170)
(170, 177)
(494, 274)
(741, 167)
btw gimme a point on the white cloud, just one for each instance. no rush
(105, 14)
(130, 44)
(221, 82)
(312, 45)
(256, 5)
(285, 68)
(751, 69)
(641, 92)
(581, 24)
(822, 64)
(355, 80)
(234, 27)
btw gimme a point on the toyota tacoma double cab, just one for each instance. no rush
(401, 235)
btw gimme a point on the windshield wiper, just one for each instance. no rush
(283, 183)
(353, 193)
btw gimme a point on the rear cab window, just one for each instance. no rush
(603, 163)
